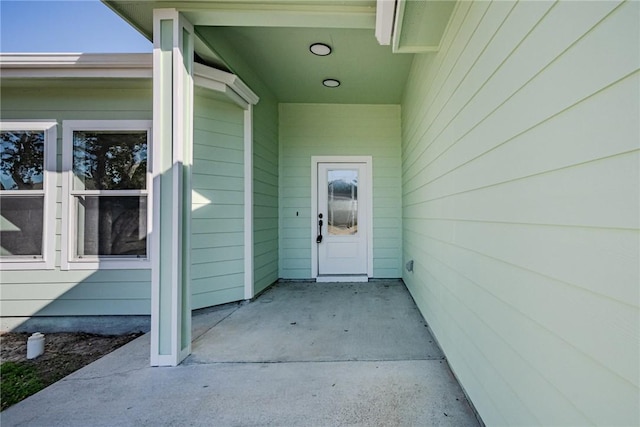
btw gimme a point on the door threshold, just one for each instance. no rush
(325, 278)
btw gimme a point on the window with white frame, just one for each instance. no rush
(107, 193)
(27, 194)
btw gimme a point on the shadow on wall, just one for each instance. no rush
(104, 298)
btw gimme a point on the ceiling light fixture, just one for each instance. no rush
(331, 82)
(320, 49)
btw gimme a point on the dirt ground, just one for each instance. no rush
(64, 353)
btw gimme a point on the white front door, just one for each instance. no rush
(342, 221)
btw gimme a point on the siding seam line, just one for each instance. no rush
(550, 332)
(556, 58)
(537, 273)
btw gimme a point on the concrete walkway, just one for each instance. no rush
(302, 354)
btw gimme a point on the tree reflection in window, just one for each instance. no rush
(21, 192)
(110, 223)
(21, 160)
(110, 160)
(342, 200)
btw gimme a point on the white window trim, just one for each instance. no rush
(69, 262)
(47, 261)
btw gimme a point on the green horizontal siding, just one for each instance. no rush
(308, 130)
(79, 292)
(217, 257)
(218, 235)
(265, 191)
(265, 160)
(521, 207)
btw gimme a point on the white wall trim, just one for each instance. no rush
(224, 82)
(220, 87)
(47, 262)
(248, 203)
(397, 25)
(385, 13)
(79, 65)
(368, 161)
(156, 169)
(183, 154)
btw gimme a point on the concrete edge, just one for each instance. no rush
(453, 372)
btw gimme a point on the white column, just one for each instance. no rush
(171, 159)
(248, 203)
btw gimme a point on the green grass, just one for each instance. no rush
(18, 380)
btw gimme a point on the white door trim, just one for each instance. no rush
(368, 161)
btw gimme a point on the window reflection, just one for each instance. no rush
(112, 164)
(22, 188)
(110, 160)
(21, 160)
(342, 202)
(21, 225)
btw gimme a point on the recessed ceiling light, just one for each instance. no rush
(331, 82)
(320, 49)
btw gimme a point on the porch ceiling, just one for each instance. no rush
(369, 73)
(271, 39)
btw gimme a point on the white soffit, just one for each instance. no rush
(77, 65)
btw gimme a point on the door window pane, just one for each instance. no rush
(342, 206)
(21, 225)
(106, 160)
(111, 226)
(21, 160)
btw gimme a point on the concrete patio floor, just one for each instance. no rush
(301, 354)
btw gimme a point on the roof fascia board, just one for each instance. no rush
(224, 82)
(78, 65)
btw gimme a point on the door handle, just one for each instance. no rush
(319, 238)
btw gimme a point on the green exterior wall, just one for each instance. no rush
(265, 191)
(520, 153)
(85, 292)
(265, 161)
(217, 229)
(308, 130)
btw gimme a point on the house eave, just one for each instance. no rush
(224, 82)
(76, 65)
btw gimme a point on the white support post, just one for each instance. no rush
(248, 203)
(171, 160)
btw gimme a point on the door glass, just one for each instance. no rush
(342, 206)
